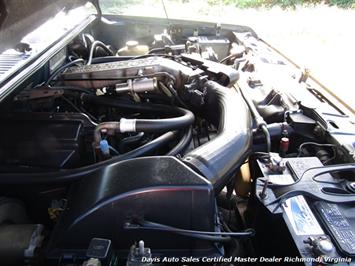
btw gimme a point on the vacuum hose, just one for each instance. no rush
(220, 157)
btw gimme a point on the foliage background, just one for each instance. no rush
(245, 3)
(283, 3)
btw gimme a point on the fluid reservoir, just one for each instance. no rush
(133, 48)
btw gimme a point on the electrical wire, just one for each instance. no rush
(113, 149)
(334, 149)
(228, 57)
(267, 137)
(176, 95)
(314, 144)
(205, 235)
(150, 55)
(71, 104)
(78, 109)
(154, 50)
(62, 68)
(92, 50)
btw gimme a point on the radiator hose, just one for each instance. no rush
(220, 157)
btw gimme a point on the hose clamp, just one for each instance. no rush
(127, 125)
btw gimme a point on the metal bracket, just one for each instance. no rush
(315, 184)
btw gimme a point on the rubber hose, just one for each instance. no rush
(166, 124)
(260, 122)
(182, 144)
(72, 175)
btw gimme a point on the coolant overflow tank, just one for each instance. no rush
(133, 48)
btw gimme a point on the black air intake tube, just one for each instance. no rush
(220, 157)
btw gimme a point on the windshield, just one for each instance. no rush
(317, 36)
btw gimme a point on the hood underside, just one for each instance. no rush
(20, 17)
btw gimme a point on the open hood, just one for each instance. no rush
(20, 17)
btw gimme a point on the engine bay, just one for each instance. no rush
(141, 142)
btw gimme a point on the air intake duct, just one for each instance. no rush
(220, 157)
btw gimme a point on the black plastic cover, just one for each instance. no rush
(42, 140)
(156, 189)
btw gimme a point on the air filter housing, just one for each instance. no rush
(156, 189)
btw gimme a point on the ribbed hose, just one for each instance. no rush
(218, 158)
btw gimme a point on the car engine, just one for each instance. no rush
(143, 143)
